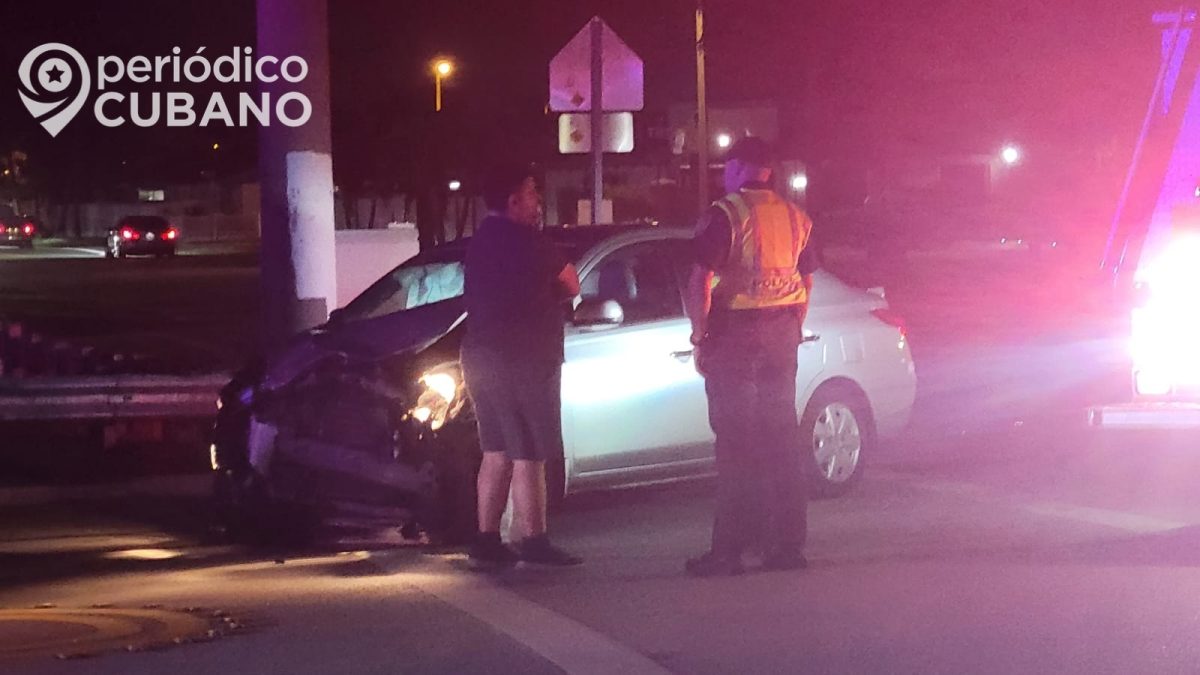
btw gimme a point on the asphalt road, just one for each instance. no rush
(1034, 550)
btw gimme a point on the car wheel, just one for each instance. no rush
(451, 518)
(248, 515)
(556, 483)
(239, 498)
(837, 426)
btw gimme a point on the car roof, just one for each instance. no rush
(577, 239)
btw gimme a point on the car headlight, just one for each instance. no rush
(441, 398)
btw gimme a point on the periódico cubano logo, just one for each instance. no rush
(54, 84)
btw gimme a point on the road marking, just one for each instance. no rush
(566, 643)
(90, 251)
(1120, 520)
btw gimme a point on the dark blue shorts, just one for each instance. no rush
(518, 405)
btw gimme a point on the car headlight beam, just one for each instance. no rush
(441, 398)
(442, 383)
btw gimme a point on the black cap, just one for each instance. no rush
(751, 150)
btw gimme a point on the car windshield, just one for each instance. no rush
(435, 276)
(408, 287)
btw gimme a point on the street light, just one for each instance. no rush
(799, 182)
(1011, 155)
(455, 185)
(724, 141)
(442, 68)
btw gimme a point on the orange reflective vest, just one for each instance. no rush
(768, 235)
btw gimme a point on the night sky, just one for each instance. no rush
(848, 75)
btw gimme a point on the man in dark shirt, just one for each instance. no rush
(516, 286)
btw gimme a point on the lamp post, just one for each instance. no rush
(441, 68)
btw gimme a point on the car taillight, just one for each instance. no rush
(891, 318)
(172, 234)
(28, 229)
(129, 233)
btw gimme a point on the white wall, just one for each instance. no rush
(363, 256)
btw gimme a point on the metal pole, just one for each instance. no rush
(597, 119)
(299, 281)
(701, 114)
(1176, 30)
(437, 89)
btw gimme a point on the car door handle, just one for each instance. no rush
(684, 355)
(811, 337)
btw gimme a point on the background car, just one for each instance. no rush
(15, 228)
(141, 235)
(378, 390)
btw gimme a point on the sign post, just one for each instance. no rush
(595, 73)
(597, 31)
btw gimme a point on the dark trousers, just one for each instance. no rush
(750, 377)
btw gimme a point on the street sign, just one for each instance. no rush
(622, 79)
(575, 133)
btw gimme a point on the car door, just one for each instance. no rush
(631, 394)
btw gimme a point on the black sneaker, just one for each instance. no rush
(539, 551)
(782, 559)
(712, 565)
(489, 553)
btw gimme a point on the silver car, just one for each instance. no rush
(375, 402)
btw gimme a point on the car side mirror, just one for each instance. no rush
(597, 313)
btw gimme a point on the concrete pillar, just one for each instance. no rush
(296, 174)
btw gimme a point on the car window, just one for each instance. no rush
(408, 287)
(641, 277)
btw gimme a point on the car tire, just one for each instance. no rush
(237, 497)
(247, 514)
(452, 518)
(556, 484)
(837, 436)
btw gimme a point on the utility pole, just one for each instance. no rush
(701, 115)
(295, 169)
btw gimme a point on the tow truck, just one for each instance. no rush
(1152, 253)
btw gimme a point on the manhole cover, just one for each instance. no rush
(68, 632)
